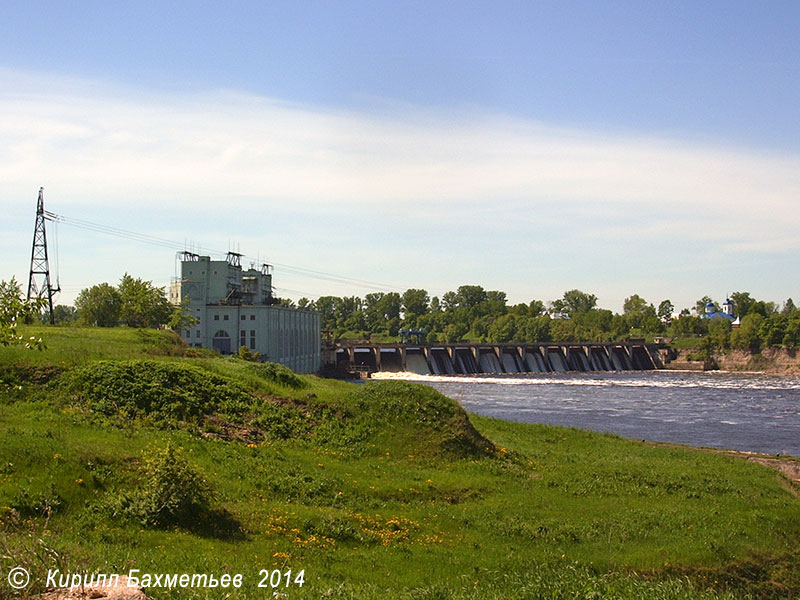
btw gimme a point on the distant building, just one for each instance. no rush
(235, 308)
(711, 311)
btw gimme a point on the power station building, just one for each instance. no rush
(235, 307)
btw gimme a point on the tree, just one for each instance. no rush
(665, 310)
(504, 329)
(575, 302)
(791, 338)
(449, 301)
(142, 304)
(390, 305)
(14, 309)
(63, 314)
(374, 319)
(182, 316)
(742, 303)
(686, 325)
(325, 306)
(536, 329)
(748, 335)
(637, 311)
(700, 305)
(536, 308)
(415, 302)
(773, 330)
(99, 305)
(470, 296)
(495, 303)
(719, 331)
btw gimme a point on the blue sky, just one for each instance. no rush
(532, 147)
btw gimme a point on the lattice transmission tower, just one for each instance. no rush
(39, 285)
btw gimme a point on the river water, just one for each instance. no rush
(748, 412)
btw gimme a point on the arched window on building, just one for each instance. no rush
(222, 342)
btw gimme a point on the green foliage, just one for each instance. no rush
(575, 302)
(244, 353)
(99, 305)
(638, 311)
(687, 325)
(415, 416)
(665, 309)
(791, 336)
(142, 304)
(748, 335)
(742, 303)
(773, 329)
(470, 296)
(278, 374)
(700, 305)
(15, 310)
(719, 332)
(30, 503)
(381, 491)
(704, 352)
(182, 316)
(159, 391)
(503, 329)
(170, 492)
(135, 303)
(415, 302)
(65, 315)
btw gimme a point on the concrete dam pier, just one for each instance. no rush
(471, 359)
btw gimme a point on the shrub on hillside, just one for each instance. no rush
(425, 418)
(277, 374)
(163, 391)
(171, 491)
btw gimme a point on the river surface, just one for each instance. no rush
(748, 412)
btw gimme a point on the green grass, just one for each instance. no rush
(387, 490)
(685, 343)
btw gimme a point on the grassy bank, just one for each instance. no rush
(387, 490)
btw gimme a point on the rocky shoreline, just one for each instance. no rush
(771, 360)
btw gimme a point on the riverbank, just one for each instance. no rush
(387, 490)
(771, 360)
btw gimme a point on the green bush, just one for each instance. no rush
(277, 374)
(36, 503)
(163, 391)
(416, 416)
(171, 491)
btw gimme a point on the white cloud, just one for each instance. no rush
(203, 147)
(93, 144)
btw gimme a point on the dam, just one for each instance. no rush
(477, 358)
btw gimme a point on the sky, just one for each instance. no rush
(531, 147)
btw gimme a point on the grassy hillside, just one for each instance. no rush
(119, 451)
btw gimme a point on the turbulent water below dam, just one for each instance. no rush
(735, 411)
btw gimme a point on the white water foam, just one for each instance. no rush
(653, 379)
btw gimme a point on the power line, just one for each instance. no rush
(178, 246)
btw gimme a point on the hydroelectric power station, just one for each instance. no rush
(471, 359)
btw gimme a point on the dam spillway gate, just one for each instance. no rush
(472, 359)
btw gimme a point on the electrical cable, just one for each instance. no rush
(157, 241)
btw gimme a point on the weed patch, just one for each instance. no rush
(164, 392)
(171, 491)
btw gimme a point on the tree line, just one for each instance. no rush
(134, 303)
(470, 313)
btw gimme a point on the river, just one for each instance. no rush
(735, 411)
